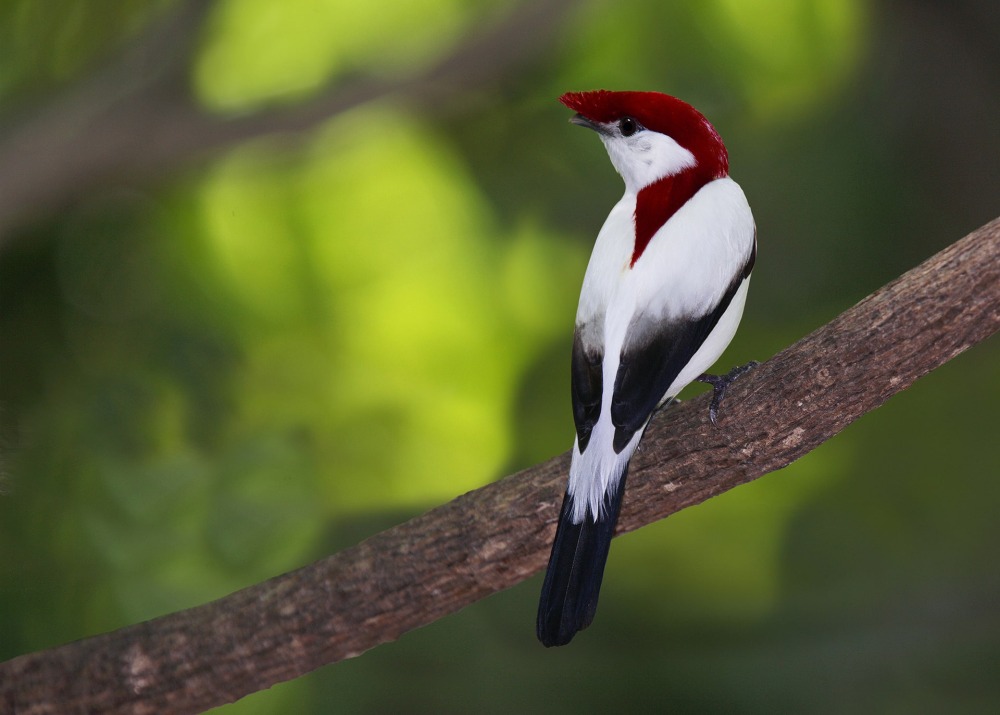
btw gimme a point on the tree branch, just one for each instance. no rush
(497, 536)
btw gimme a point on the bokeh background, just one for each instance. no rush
(276, 276)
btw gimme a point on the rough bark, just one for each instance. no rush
(497, 536)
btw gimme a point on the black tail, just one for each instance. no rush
(576, 567)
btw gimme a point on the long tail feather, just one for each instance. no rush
(576, 568)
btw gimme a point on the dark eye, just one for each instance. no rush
(628, 126)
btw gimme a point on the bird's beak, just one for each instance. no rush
(584, 122)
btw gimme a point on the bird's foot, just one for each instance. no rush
(721, 383)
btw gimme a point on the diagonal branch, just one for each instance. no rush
(497, 536)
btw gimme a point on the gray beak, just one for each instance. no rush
(584, 122)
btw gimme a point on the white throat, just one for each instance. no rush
(646, 157)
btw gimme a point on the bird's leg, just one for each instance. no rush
(721, 383)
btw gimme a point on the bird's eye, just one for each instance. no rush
(628, 126)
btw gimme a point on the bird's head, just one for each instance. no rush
(649, 135)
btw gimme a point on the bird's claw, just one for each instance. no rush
(721, 383)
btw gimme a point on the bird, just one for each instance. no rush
(662, 297)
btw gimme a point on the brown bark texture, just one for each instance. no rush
(496, 536)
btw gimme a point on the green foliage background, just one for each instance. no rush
(218, 375)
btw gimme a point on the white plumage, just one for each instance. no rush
(683, 273)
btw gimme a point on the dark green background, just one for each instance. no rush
(221, 373)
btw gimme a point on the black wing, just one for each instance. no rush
(586, 383)
(654, 354)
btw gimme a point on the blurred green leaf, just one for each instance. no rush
(260, 51)
(791, 55)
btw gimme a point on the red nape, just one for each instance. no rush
(656, 203)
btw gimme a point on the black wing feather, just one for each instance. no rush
(654, 355)
(586, 382)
